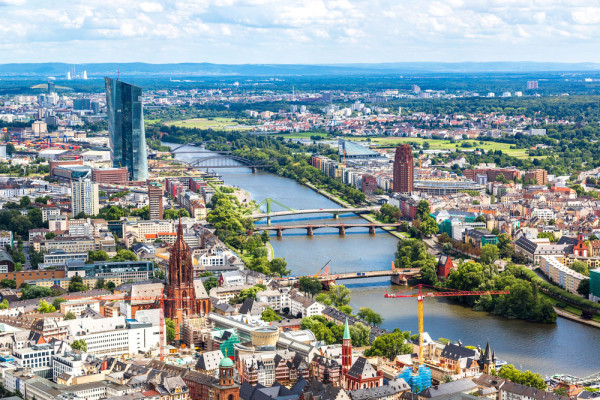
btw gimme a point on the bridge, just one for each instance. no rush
(219, 160)
(334, 211)
(310, 228)
(398, 276)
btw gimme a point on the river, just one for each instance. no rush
(564, 347)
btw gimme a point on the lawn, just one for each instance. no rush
(435, 144)
(218, 124)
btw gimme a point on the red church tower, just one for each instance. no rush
(580, 249)
(180, 296)
(346, 349)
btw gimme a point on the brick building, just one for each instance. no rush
(110, 175)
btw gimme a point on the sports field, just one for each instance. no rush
(435, 144)
(217, 124)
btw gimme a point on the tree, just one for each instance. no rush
(246, 293)
(527, 378)
(99, 283)
(56, 302)
(390, 345)
(584, 288)
(69, 315)
(264, 236)
(367, 314)
(359, 333)
(580, 267)
(489, 254)
(110, 285)
(25, 201)
(339, 295)
(210, 283)
(171, 213)
(549, 235)
(99, 255)
(310, 285)
(44, 307)
(143, 213)
(34, 292)
(4, 305)
(35, 217)
(50, 235)
(429, 227)
(278, 267)
(76, 285)
(125, 255)
(501, 178)
(170, 327)
(80, 345)
(346, 309)
(20, 224)
(324, 299)
(8, 284)
(269, 315)
(481, 218)
(423, 209)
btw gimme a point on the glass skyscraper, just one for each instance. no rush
(126, 128)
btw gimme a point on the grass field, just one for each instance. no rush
(218, 124)
(435, 144)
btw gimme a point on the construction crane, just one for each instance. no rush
(324, 267)
(420, 295)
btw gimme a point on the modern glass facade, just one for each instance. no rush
(126, 128)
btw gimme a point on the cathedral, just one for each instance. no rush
(181, 300)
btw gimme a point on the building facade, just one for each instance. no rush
(155, 200)
(84, 197)
(404, 169)
(126, 128)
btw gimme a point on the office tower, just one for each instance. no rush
(126, 128)
(84, 197)
(82, 104)
(155, 199)
(532, 85)
(404, 169)
(84, 76)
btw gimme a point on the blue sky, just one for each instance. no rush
(299, 31)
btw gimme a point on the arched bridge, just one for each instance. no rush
(310, 228)
(398, 276)
(225, 161)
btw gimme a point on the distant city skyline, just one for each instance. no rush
(293, 31)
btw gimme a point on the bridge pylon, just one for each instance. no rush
(268, 202)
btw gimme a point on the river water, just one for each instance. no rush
(564, 347)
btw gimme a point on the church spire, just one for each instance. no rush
(346, 330)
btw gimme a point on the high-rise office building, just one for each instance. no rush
(126, 128)
(404, 169)
(155, 200)
(84, 197)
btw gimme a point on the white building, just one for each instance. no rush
(35, 357)
(545, 214)
(84, 197)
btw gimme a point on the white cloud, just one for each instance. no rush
(309, 30)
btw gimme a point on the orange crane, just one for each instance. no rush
(420, 295)
(324, 267)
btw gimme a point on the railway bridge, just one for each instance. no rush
(310, 228)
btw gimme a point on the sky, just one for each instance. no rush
(298, 31)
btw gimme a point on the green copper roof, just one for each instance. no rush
(226, 362)
(346, 330)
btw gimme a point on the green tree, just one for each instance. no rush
(210, 283)
(35, 217)
(549, 235)
(390, 345)
(428, 227)
(56, 302)
(69, 315)
(339, 295)
(481, 218)
(346, 309)
(143, 213)
(175, 214)
(125, 255)
(489, 254)
(21, 225)
(423, 210)
(526, 378)
(76, 284)
(110, 285)
(170, 327)
(269, 315)
(80, 345)
(278, 267)
(34, 292)
(8, 283)
(367, 314)
(264, 236)
(581, 267)
(24, 201)
(359, 333)
(4, 304)
(44, 307)
(246, 293)
(584, 288)
(310, 285)
(324, 299)
(99, 255)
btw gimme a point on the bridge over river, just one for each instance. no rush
(310, 228)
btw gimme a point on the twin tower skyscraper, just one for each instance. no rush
(126, 128)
